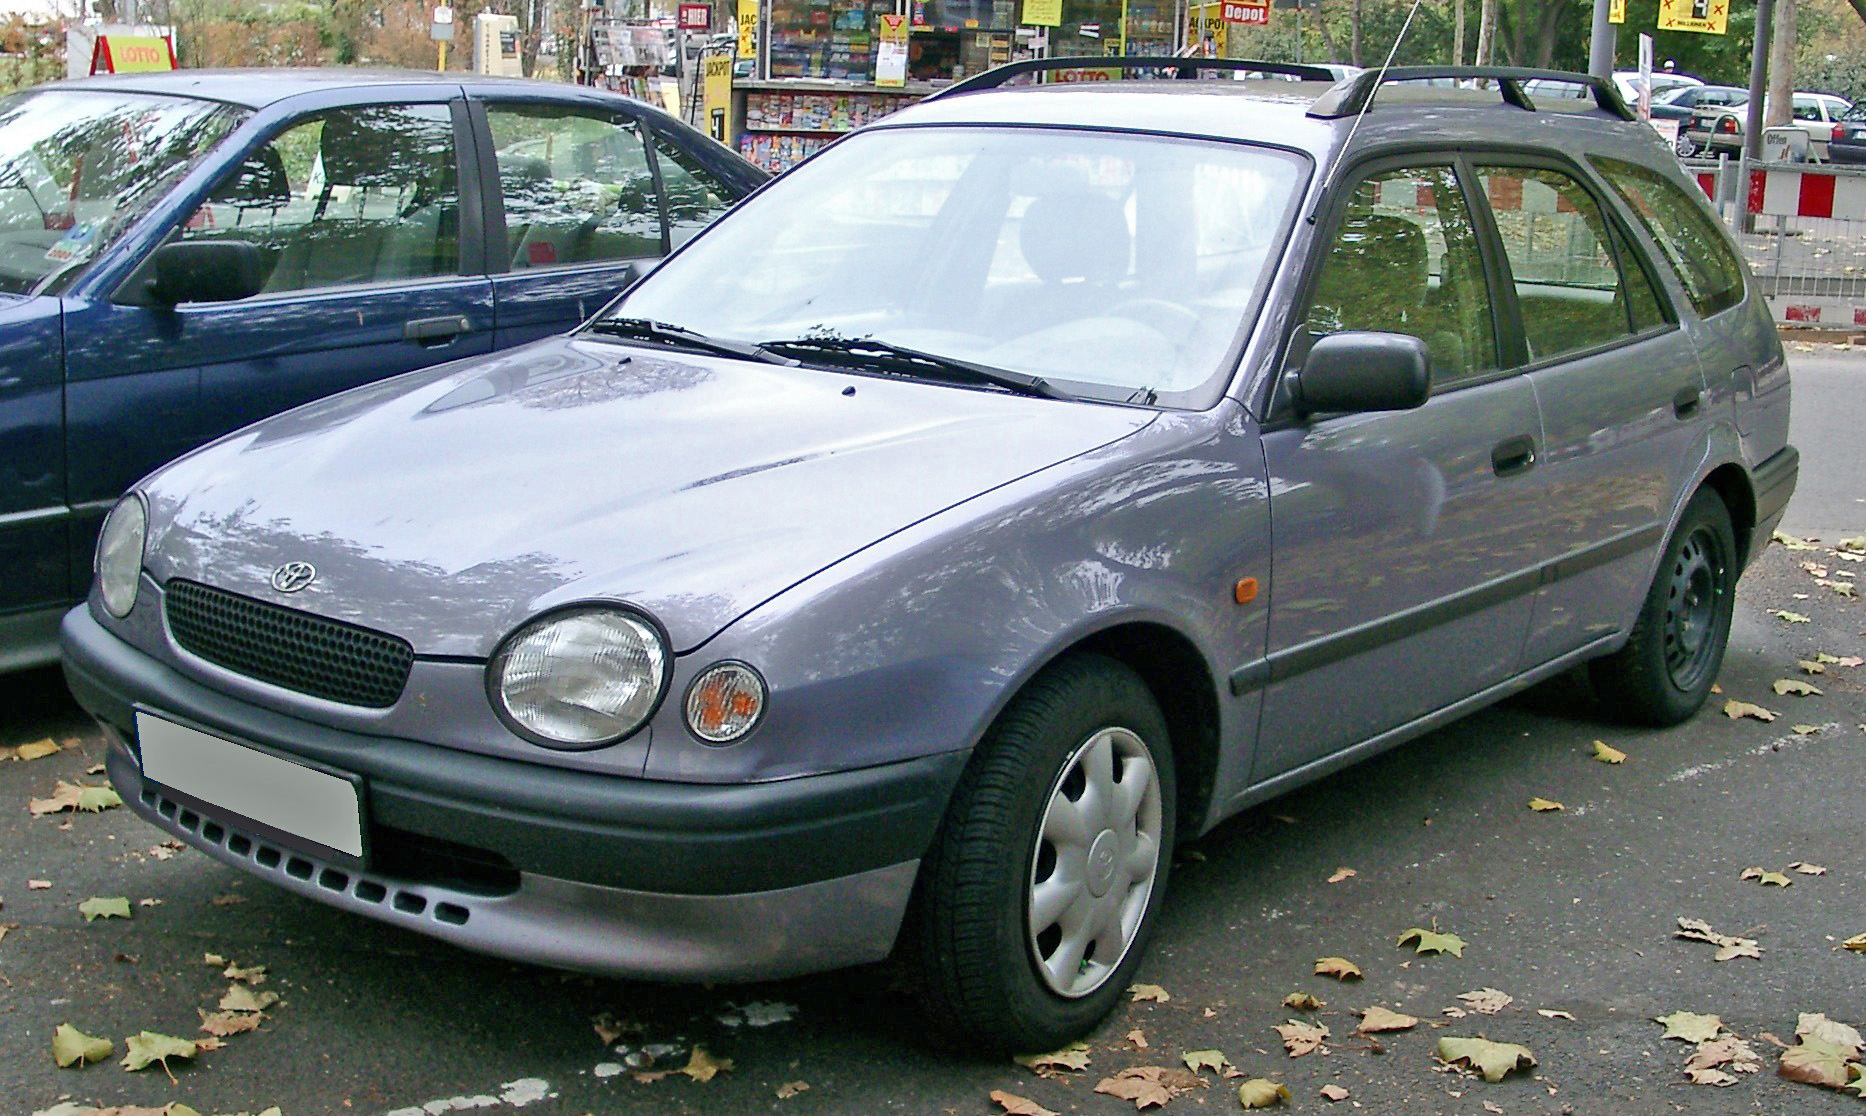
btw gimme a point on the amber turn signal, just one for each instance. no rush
(1245, 590)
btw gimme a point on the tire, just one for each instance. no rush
(1683, 147)
(992, 982)
(1666, 669)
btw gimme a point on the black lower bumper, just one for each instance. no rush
(669, 838)
(1774, 482)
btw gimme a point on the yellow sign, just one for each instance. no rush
(1708, 16)
(748, 28)
(131, 54)
(717, 96)
(1043, 13)
(1206, 29)
(891, 51)
(1616, 11)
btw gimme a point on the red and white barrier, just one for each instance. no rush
(1799, 193)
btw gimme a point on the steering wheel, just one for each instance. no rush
(1162, 314)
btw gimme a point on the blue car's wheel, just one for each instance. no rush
(1034, 904)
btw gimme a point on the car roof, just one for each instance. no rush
(258, 88)
(1278, 113)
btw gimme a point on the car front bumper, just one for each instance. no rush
(629, 877)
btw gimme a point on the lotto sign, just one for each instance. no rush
(132, 54)
(1247, 11)
(696, 17)
(1709, 16)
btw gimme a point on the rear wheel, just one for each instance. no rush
(1666, 669)
(1684, 148)
(1035, 903)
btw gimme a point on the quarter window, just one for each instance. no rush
(1685, 232)
(1569, 286)
(577, 187)
(1405, 260)
(362, 195)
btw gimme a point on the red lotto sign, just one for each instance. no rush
(695, 17)
(1245, 11)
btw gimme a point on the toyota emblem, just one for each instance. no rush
(293, 576)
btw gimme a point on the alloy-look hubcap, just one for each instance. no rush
(1095, 860)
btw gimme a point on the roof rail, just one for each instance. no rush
(1183, 68)
(1353, 95)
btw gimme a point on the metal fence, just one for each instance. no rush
(1802, 227)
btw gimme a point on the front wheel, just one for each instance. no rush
(1034, 905)
(1684, 147)
(1666, 669)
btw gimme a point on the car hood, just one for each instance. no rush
(450, 505)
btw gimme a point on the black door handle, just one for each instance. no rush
(1685, 403)
(1513, 455)
(436, 331)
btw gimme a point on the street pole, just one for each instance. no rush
(1752, 124)
(1600, 46)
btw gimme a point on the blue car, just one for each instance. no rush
(182, 254)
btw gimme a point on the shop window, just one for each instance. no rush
(577, 187)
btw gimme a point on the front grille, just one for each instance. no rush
(324, 658)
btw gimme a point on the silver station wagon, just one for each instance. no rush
(1015, 489)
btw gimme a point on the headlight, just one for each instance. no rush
(580, 678)
(119, 564)
(725, 702)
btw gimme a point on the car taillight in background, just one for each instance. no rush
(1839, 132)
(1727, 125)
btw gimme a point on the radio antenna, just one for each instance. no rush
(1381, 76)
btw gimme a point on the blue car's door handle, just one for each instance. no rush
(436, 331)
(1513, 455)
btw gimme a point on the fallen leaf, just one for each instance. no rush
(1493, 1107)
(1431, 941)
(1776, 878)
(1807, 869)
(1544, 805)
(1790, 542)
(1137, 1038)
(227, 900)
(251, 974)
(703, 1067)
(37, 749)
(1011, 1103)
(1690, 1026)
(1708, 1077)
(1605, 754)
(1735, 710)
(1790, 617)
(209, 1043)
(1492, 1059)
(1785, 686)
(1332, 1093)
(1487, 1001)
(1213, 1060)
(1551, 1013)
(1857, 943)
(148, 1047)
(1075, 1056)
(1342, 874)
(241, 998)
(221, 1024)
(1261, 1093)
(1805, 730)
(64, 796)
(1377, 1019)
(1152, 992)
(72, 1047)
(214, 959)
(1301, 1038)
(1455, 1013)
(1813, 1062)
(38, 885)
(1302, 1001)
(1728, 1051)
(1809, 666)
(1728, 947)
(95, 908)
(148, 902)
(1818, 1028)
(791, 1088)
(1149, 1086)
(1338, 967)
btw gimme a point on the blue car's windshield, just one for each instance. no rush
(77, 165)
(1113, 265)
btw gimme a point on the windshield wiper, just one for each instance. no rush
(647, 329)
(889, 357)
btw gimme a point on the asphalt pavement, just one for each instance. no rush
(1571, 912)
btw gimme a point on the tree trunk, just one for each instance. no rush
(1457, 34)
(1779, 108)
(1486, 31)
(1545, 38)
(1354, 33)
(1328, 40)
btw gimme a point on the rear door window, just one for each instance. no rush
(577, 186)
(1685, 232)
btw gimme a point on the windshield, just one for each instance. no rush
(77, 165)
(1115, 266)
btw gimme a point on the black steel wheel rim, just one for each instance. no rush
(1693, 608)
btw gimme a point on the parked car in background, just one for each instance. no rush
(1718, 129)
(1626, 82)
(895, 562)
(1678, 102)
(1846, 143)
(184, 253)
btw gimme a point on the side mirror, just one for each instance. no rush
(1363, 371)
(206, 271)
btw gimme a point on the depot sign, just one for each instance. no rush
(1246, 11)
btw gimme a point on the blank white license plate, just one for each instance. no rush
(287, 796)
